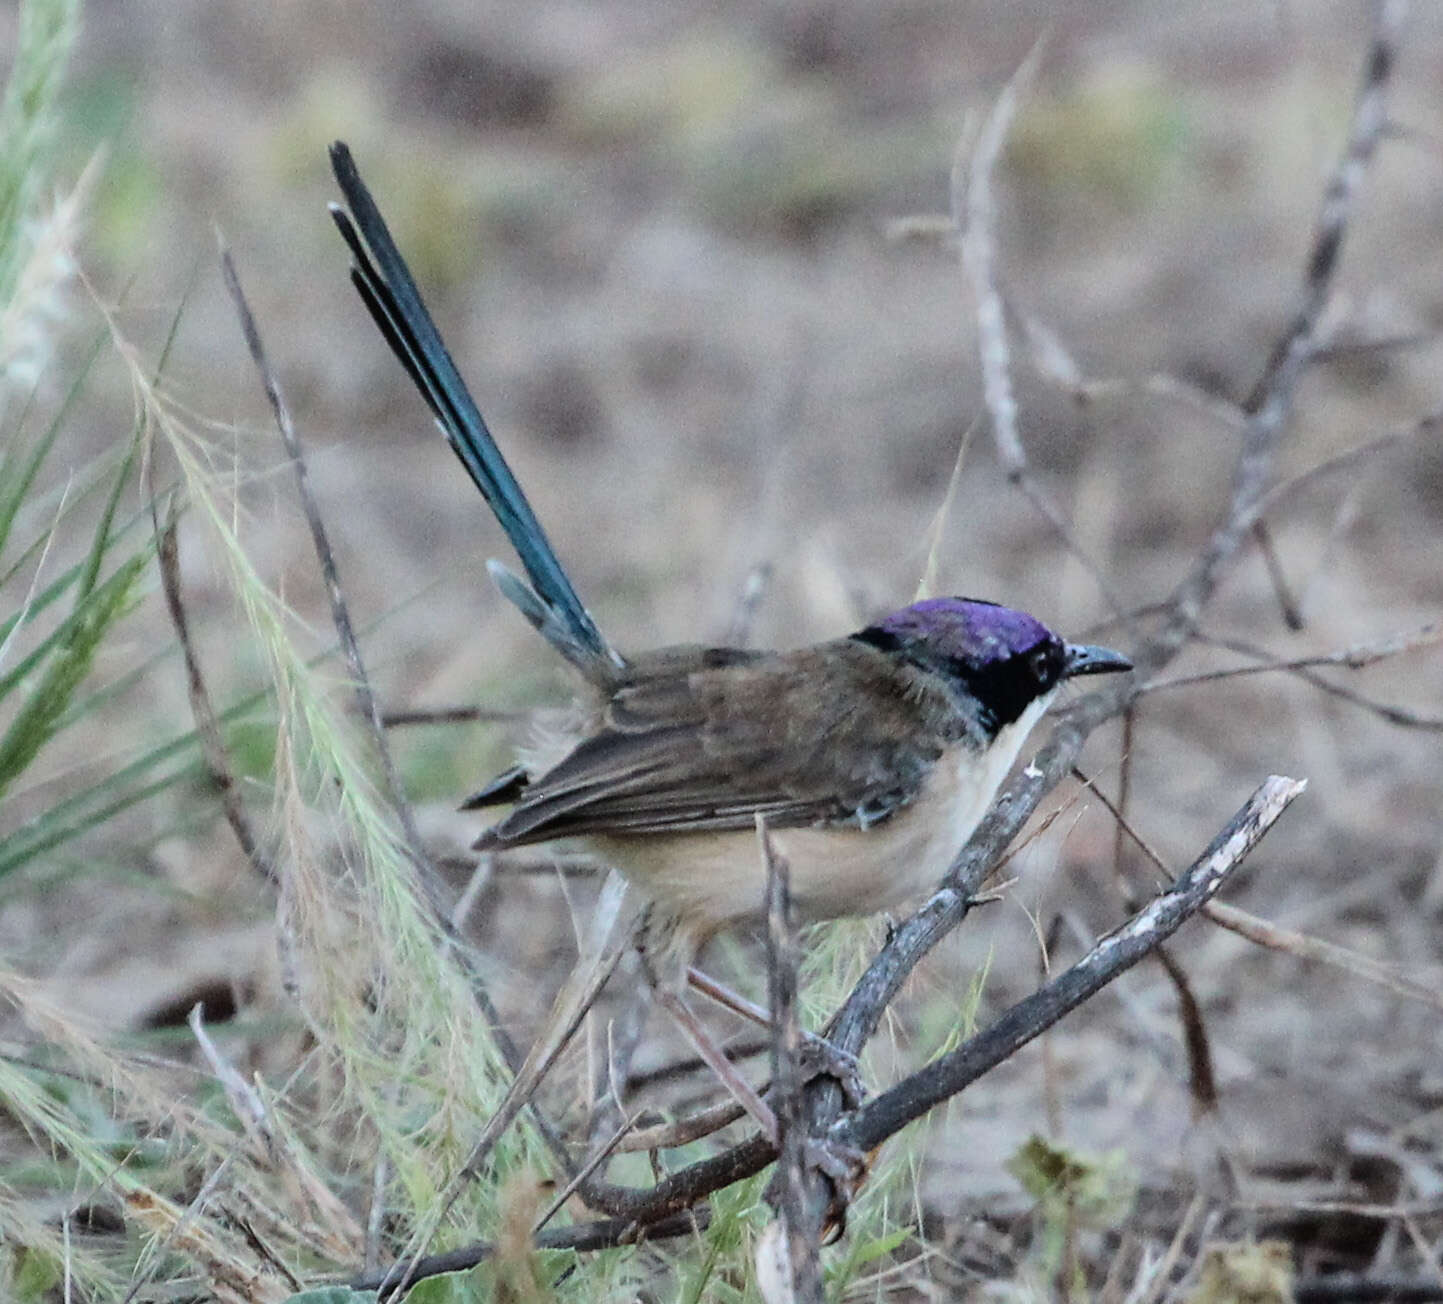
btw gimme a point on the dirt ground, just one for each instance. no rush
(660, 240)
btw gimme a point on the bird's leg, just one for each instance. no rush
(819, 1056)
(667, 947)
(711, 1054)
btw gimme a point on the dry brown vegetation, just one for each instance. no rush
(676, 253)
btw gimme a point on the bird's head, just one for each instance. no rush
(1000, 660)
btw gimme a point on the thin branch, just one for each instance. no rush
(667, 1136)
(602, 1154)
(1348, 458)
(614, 1081)
(604, 1234)
(1275, 937)
(639, 1080)
(800, 1233)
(1304, 947)
(1288, 603)
(974, 213)
(202, 709)
(340, 612)
(1355, 657)
(1113, 955)
(1395, 715)
(1270, 405)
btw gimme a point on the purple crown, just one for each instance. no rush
(979, 632)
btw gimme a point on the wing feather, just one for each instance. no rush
(687, 745)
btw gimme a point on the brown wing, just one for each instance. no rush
(691, 745)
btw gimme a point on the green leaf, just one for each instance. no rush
(878, 1247)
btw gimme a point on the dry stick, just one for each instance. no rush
(1202, 1081)
(1271, 403)
(1304, 343)
(427, 879)
(1355, 657)
(207, 723)
(1115, 953)
(1288, 604)
(974, 212)
(1275, 937)
(1201, 1078)
(667, 1136)
(624, 1037)
(1305, 947)
(800, 1230)
(340, 613)
(602, 1154)
(1349, 457)
(604, 1234)
(640, 1079)
(1392, 714)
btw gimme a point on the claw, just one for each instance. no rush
(822, 1059)
(845, 1167)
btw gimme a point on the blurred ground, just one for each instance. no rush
(656, 238)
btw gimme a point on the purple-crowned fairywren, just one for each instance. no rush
(871, 758)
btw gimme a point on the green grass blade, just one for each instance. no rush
(35, 723)
(14, 488)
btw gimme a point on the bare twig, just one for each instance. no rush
(799, 1230)
(638, 1080)
(613, 1078)
(1304, 947)
(1346, 460)
(602, 1154)
(340, 612)
(1356, 657)
(1270, 405)
(1275, 937)
(974, 212)
(667, 1136)
(887, 1113)
(604, 1234)
(207, 723)
(1288, 603)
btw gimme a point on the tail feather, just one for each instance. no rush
(389, 292)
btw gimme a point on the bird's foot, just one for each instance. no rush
(822, 1059)
(845, 1168)
(843, 1165)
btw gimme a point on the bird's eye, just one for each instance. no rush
(1041, 663)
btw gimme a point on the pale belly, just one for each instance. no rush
(708, 880)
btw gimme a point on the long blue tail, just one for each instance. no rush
(389, 291)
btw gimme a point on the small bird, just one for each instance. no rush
(871, 758)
